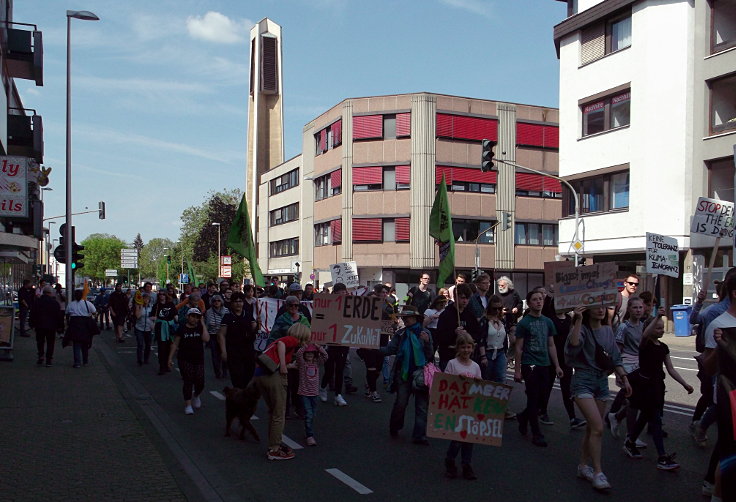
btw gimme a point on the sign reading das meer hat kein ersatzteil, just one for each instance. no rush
(662, 255)
(713, 217)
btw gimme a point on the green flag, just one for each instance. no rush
(440, 227)
(162, 272)
(190, 271)
(240, 239)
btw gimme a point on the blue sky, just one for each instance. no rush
(159, 88)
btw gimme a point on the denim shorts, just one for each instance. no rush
(589, 384)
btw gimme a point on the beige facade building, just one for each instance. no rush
(369, 171)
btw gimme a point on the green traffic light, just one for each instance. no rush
(74, 265)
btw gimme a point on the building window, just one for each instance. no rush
(723, 25)
(467, 186)
(381, 178)
(389, 231)
(322, 234)
(606, 37)
(723, 104)
(608, 192)
(286, 247)
(535, 234)
(720, 178)
(469, 230)
(284, 214)
(389, 178)
(389, 127)
(328, 138)
(285, 181)
(607, 113)
(619, 34)
(324, 186)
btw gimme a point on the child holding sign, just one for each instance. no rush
(464, 366)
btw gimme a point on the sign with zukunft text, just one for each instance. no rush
(349, 320)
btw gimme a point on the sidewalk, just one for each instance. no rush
(70, 434)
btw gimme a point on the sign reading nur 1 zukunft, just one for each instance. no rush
(350, 320)
(14, 186)
(662, 255)
(468, 410)
(713, 217)
(594, 285)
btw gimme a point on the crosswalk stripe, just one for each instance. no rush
(355, 485)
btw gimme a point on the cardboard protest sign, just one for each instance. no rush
(346, 273)
(713, 217)
(662, 255)
(464, 409)
(551, 268)
(589, 286)
(350, 320)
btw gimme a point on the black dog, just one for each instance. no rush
(236, 406)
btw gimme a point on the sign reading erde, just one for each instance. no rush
(346, 273)
(662, 255)
(14, 186)
(349, 320)
(713, 217)
(588, 286)
(468, 410)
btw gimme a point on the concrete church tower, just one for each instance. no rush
(265, 109)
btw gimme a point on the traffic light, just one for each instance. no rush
(168, 259)
(77, 259)
(505, 220)
(101, 212)
(487, 154)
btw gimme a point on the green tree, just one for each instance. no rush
(101, 252)
(153, 254)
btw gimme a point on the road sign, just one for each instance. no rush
(226, 271)
(129, 263)
(226, 260)
(183, 278)
(110, 272)
(128, 252)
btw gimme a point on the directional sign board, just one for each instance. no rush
(111, 272)
(128, 258)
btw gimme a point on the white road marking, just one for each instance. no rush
(683, 358)
(217, 395)
(686, 369)
(291, 443)
(358, 487)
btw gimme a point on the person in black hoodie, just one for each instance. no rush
(47, 317)
(448, 326)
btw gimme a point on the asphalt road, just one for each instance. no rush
(357, 459)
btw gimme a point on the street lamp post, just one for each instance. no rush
(219, 265)
(167, 265)
(48, 249)
(84, 15)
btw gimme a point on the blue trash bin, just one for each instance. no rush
(681, 316)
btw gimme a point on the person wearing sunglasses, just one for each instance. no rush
(631, 287)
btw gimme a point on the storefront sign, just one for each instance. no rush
(14, 187)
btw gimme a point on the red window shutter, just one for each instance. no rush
(336, 230)
(537, 135)
(462, 127)
(403, 174)
(403, 125)
(367, 229)
(336, 178)
(323, 140)
(337, 133)
(368, 175)
(465, 174)
(368, 126)
(537, 183)
(402, 229)
(439, 171)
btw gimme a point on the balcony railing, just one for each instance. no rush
(25, 53)
(25, 134)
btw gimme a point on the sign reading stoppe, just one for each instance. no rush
(468, 410)
(14, 186)
(349, 320)
(594, 285)
(662, 255)
(346, 273)
(713, 217)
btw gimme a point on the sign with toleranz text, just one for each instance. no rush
(663, 255)
(348, 320)
(346, 273)
(713, 217)
(594, 285)
(466, 409)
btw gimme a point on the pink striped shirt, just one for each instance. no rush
(309, 372)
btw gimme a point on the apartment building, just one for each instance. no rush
(646, 127)
(369, 171)
(21, 152)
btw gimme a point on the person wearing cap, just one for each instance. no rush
(295, 289)
(46, 317)
(236, 336)
(412, 346)
(189, 342)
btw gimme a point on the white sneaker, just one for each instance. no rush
(585, 472)
(188, 410)
(614, 425)
(196, 402)
(376, 397)
(640, 444)
(323, 394)
(600, 482)
(340, 401)
(708, 489)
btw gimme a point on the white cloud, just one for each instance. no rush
(218, 28)
(482, 7)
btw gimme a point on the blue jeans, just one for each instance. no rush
(310, 410)
(496, 369)
(81, 353)
(421, 402)
(465, 449)
(143, 345)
